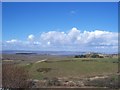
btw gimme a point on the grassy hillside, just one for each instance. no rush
(73, 67)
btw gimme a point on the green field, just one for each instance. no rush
(67, 71)
(73, 67)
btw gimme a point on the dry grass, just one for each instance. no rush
(14, 77)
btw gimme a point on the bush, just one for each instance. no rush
(14, 77)
(88, 56)
(80, 56)
(77, 56)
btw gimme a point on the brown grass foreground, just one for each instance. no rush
(14, 77)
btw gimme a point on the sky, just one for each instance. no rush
(60, 0)
(65, 26)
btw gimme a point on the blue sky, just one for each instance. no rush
(22, 20)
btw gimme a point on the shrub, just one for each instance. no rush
(14, 77)
(76, 56)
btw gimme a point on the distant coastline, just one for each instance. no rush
(50, 52)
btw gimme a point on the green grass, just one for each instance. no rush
(98, 59)
(74, 68)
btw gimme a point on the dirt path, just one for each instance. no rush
(41, 61)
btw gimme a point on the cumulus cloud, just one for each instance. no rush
(31, 37)
(74, 39)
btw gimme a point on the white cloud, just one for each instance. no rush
(74, 33)
(48, 43)
(12, 41)
(53, 37)
(31, 37)
(74, 39)
(36, 43)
